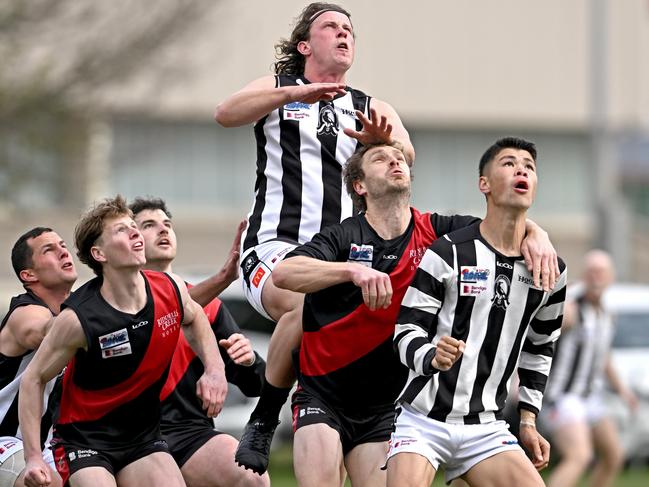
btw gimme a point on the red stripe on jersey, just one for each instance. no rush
(79, 404)
(184, 354)
(344, 341)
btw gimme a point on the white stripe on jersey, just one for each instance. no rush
(480, 376)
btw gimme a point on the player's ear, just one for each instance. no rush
(304, 48)
(483, 185)
(359, 188)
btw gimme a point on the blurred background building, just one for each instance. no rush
(98, 98)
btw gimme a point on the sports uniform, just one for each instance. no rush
(466, 289)
(11, 369)
(110, 406)
(301, 149)
(184, 425)
(577, 378)
(348, 373)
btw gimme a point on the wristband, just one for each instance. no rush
(528, 423)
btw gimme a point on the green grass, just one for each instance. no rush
(281, 473)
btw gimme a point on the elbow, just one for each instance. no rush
(221, 116)
(281, 276)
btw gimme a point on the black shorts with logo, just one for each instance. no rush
(70, 458)
(185, 440)
(355, 428)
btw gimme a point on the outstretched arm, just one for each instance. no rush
(204, 292)
(384, 125)
(307, 275)
(260, 97)
(212, 387)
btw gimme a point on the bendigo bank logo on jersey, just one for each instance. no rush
(473, 280)
(361, 254)
(169, 323)
(115, 344)
(296, 110)
(327, 121)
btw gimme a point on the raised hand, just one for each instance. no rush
(375, 286)
(375, 129)
(239, 349)
(315, 92)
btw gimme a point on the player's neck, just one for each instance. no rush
(124, 289)
(158, 265)
(317, 74)
(389, 217)
(52, 297)
(504, 229)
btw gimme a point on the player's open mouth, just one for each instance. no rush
(164, 242)
(138, 246)
(67, 266)
(343, 45)
(521, 186)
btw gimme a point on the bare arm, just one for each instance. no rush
(204, 292)
(212, 387)
(56, 350)
(620, 387)
(306, 275)
(540, 256)
(25, 329)
(260, 97)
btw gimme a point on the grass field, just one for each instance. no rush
(281, 473)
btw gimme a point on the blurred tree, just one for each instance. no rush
(56, 59)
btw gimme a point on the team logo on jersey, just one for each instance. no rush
(296, 110)
(115, 338)
(169, 323)
(501, 292)
(327, 121)
(473, 274)
(527, 280)
(361, 254)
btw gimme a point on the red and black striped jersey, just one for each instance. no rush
(180, 406)
(346, 355)
(111, 391)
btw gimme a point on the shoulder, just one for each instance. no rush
(562, 265)
(84, 293)
(358, 93)
(461, 235)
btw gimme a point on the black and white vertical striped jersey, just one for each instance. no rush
(11, 371)
(580, 357)
(466, 289)
(301, 149)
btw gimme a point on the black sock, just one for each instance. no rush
(270, 402)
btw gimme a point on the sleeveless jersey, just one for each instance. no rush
(301, 149)
(11, 371)
(346, 356)
(111, 390)
(180, 406)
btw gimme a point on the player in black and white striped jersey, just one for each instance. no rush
(575, 413)
(308, 122)
(471, 316)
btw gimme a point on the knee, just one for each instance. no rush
(581, 458)
(254, 480)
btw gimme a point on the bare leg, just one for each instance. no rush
(364, 464)
(610, 455)
(410, 470)
(286, 308)
(92, 477)
(155, 469)
(212, 465)
(573, 440)
(507, 469)
(317, 456)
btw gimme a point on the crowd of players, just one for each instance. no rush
(402, 328)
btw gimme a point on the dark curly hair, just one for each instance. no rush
(289, 59)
